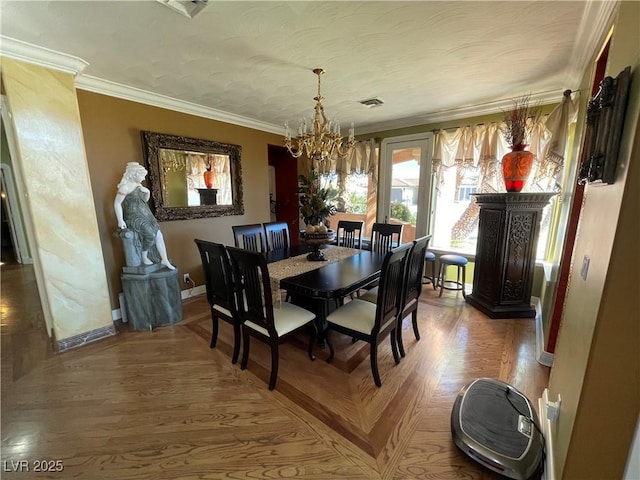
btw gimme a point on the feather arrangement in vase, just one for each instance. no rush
(518, 125)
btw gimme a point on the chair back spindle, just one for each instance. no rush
(386, 236)
(249, 237)
(277, 235)
(350, 233)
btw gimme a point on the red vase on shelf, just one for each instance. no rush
(208, 178)
(516, 166)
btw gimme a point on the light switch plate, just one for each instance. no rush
(585, 267)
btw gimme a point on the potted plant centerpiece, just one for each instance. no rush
(518, 125)
(316, 207)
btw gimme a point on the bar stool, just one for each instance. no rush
(461, 264)
(430, 258)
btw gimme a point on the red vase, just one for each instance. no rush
(516, 166)
(208, 178)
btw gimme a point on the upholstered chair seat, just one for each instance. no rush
(287, 318)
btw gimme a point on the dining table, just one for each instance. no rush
(321, 286)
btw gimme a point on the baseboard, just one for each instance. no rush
(545, 426)
(193, 292)
(116, 314)
(84, 338)
(543, 357)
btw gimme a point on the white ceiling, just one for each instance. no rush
(253, 61)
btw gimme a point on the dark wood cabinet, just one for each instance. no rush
(506, 252)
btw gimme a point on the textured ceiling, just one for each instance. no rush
(254, 59)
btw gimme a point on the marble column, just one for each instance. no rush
(56, 191)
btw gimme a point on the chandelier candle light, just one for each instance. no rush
(325, 140)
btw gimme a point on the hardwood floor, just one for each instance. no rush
(24, 343)
(163, 405)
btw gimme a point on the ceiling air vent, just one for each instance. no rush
(372, 102)
(188, 8)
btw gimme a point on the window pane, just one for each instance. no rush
(357, 200)
(545, 227)
(455, 220)
(456, 214)
(405, 179)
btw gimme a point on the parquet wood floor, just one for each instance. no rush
(162, 405)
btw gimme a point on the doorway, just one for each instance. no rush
(14, 235)
(405, 183)
(25, 342)
(284, 201)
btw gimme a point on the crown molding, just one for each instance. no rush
(595, 24)
(113, 89)
(27, 52)
(488, 108)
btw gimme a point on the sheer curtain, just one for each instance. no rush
(362, 159)
(197, 164)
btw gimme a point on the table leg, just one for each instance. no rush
(321, 307)
(321, 321)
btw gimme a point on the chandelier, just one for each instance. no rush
(324, 140)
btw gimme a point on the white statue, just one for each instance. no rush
(133, 212)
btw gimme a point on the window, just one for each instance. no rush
(464, 193)
(357, 200)
(355, 179)
(455, 224)
(467, 161)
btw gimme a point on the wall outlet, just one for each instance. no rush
(553, 409)
(186, 278)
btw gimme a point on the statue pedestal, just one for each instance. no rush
(208, 196)
(152, 296)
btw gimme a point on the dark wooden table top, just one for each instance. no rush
(334, 280)
(284, 253)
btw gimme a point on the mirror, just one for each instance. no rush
(192, 178)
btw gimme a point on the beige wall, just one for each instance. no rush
(596, 367)
(112, 128)
(53, 178)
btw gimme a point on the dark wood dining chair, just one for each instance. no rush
(412, 288)
(220, 291)
(350, 233)
(249, 237)
(260, 319)
(386, 236)
(371, 322)
(276, 235)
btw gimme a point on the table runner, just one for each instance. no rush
(299, 264)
